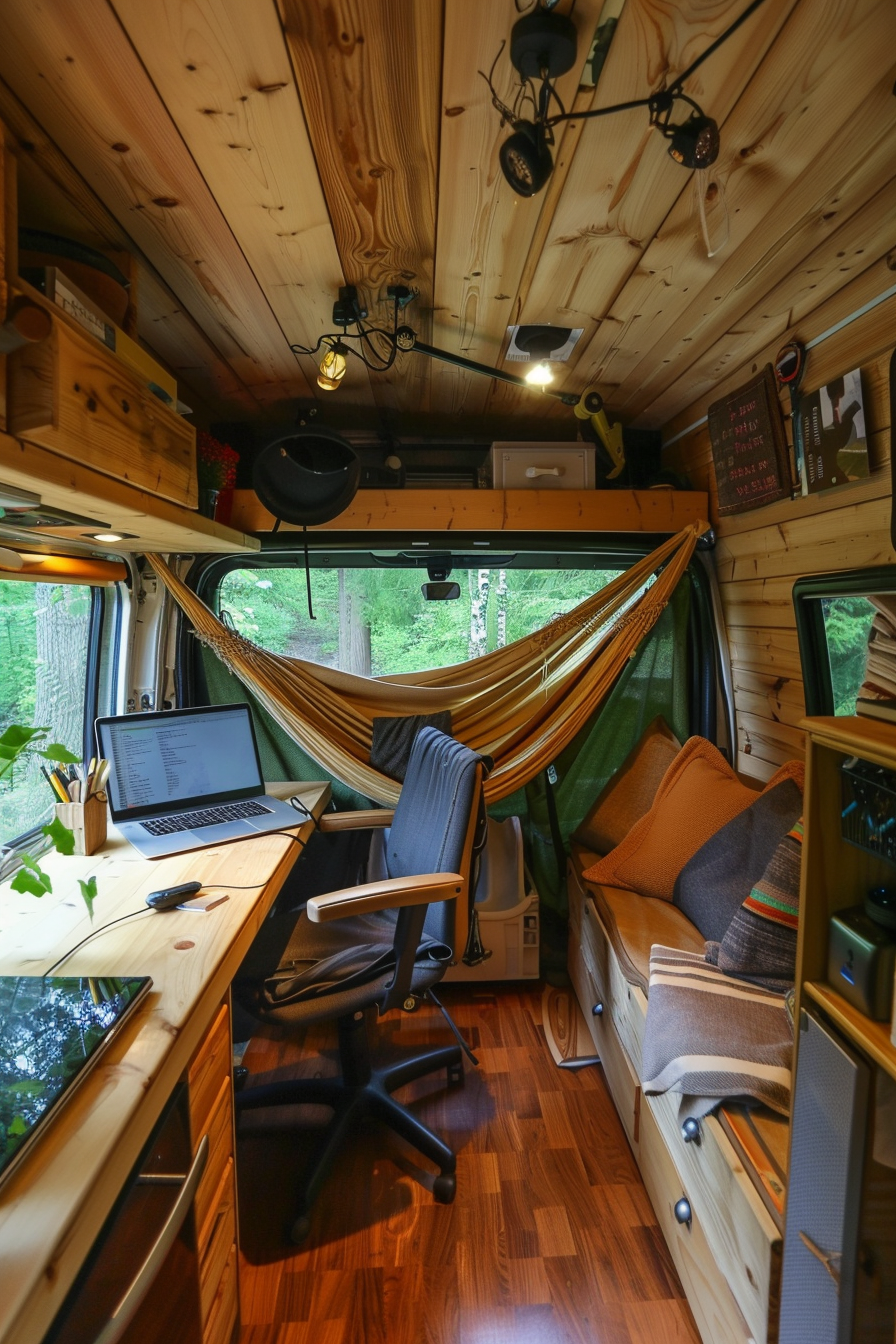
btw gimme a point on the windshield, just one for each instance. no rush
(377, 622)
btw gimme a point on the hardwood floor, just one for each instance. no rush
(551, 1239)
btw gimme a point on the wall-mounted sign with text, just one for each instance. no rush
(749, 447)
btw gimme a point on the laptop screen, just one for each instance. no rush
(170, 760)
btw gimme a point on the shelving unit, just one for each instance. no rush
(661, 510)
(836, 874)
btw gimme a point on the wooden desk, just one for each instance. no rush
(53, 1206)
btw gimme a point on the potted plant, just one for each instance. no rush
(216, 475)
(17, 742)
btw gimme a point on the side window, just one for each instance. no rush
(45, 640)
(846, 624)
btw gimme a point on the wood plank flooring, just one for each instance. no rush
(551, 1239)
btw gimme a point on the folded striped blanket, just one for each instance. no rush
(713, 1038)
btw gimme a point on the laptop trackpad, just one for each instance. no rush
(227, 830)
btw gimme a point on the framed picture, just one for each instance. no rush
(750, 455)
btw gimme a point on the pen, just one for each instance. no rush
(54, 784)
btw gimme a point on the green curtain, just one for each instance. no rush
(654, 682)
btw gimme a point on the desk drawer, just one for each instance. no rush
(223, 1311)
(221, 1238)
(220, 1152)
(211, 1063)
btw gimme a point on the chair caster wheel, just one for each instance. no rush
(300, 1229)
(444, 1188)
(455, 1075)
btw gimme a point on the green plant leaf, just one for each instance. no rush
(17, 736)
(55, 751)
(63, 839)
(31, 880)
(88, 891)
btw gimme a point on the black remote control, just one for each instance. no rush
(168, 897)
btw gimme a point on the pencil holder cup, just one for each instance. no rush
(87, 821)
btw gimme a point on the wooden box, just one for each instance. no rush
(87, 821)
(71, 395)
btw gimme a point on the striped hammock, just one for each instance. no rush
(520, 705)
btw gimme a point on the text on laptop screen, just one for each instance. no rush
(157, 761)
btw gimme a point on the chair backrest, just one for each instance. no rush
(435, 824)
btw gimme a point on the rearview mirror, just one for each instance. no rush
(440, 592)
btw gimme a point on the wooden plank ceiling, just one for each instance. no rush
(257, 155)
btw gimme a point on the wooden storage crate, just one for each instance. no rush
(71, 395)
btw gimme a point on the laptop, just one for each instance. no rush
(182, 779)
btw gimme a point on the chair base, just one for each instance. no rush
(362, 1091)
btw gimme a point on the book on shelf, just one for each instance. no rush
(877, 708)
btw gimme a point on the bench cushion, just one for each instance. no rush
(634, 923)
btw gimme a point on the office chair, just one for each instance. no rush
(376, 946)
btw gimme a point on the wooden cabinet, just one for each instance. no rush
(837, 874)
(69, 393)
(211, 1113)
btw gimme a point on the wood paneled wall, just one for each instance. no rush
(761, 553)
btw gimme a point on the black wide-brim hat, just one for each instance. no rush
(307, 477)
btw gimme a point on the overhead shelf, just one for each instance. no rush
(150, 523)
(660, 510)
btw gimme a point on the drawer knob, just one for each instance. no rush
(597, 1010)
(690, 1130)
(682, 1212)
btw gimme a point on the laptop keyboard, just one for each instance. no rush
(208, 816)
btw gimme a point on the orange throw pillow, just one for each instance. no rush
(628, 794)
(699, 794)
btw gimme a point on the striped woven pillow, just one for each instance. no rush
(760, 943)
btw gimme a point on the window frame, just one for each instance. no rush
(808, 594)
(709, 688)
(103, 665)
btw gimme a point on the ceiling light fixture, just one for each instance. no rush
(541, 344)
(543, 47)
(377, 347)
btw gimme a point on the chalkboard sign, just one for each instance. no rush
(749, 446)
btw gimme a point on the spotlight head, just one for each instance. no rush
(405, 338)
(525, 158)
(695, 144)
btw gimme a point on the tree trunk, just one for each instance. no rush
(502, 594)
(354, 633)
(479, 590)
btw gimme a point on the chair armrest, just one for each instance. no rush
(369, 820)
(389, 894)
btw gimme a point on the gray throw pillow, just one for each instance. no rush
(713, 885)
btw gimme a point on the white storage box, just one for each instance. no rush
(543, 466)
(506, 903)
(507, 907)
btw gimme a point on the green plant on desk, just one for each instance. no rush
(17, 742)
